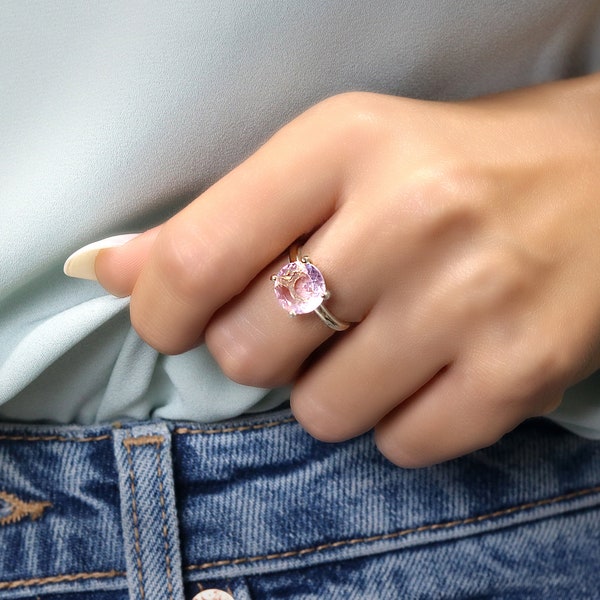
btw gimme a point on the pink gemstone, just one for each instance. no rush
(299, 287)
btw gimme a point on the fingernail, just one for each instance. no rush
(81, 263)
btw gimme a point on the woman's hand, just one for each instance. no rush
(462, 239)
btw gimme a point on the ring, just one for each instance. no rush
(300, 289)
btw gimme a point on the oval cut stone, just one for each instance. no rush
(299, 287)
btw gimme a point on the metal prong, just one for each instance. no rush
(273, 277)
(326, 295)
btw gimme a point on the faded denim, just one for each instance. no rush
(161, 510)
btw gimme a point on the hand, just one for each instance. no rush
(461, 238)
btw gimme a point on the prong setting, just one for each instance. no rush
(299, 287)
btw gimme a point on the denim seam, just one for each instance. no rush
(9, 585)
(398, 534)
(52, 438)
(128, 442)
(165, 531)
(178, 431)
(148, 440)
(239, 428)
(295, 553)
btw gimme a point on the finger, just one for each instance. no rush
(253, 338)
(365, 374)
(256, 342)
(211, 250)
(118, 268)
(453, 415)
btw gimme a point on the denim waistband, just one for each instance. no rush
(153, 506)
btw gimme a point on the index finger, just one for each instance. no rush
(212, 249)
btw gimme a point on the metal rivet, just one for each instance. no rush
(212, 595)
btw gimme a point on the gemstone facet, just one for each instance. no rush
(299, 287)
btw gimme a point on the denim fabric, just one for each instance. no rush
(256, 507)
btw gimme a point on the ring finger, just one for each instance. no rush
(256, 342)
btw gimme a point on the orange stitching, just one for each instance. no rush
(52, 438)
(136, 531)
(188, 431)
(144, 440)
(499, 513)
(9, 585)
(164, 527)
(178, 430)
(398, 534)
(21, 509)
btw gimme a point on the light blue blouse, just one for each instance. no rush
(113, 115)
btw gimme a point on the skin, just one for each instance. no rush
(461, 238)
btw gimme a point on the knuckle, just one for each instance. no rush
(317, 419)
(240, 359)
(494, 283)
(347, 103)
(509, 397)
(543, 386)
(419, 452)
(533, 374)
(549, 404)
(406, 455)
(353, 117)
(187, 262)
(551, 367)
(239, 363)
(152, 331)
(445, 197)
(487, 436)
(497, 283)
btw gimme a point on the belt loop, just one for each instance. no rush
(148, 512)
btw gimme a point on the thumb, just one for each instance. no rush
(115, 262)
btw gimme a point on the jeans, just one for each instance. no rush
(256, 507)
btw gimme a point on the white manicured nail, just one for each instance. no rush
(81, 263)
